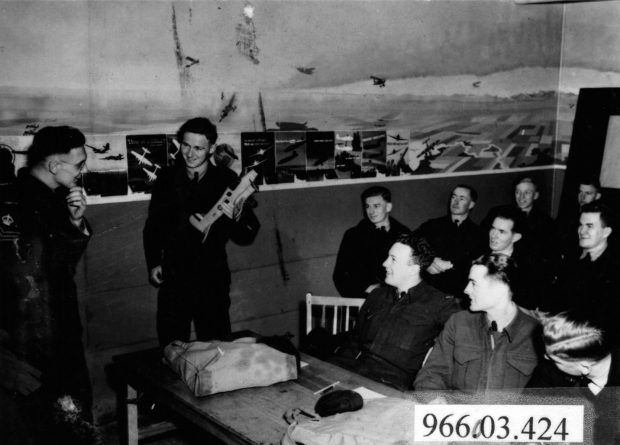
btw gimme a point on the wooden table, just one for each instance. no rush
(245, 416)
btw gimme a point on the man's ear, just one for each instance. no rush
(389, 207)
(536, 195)
(472, 204)
(53, 166)
(585, 366)
(607, 231)
(597, 196)
(516, 237)
(211, 148)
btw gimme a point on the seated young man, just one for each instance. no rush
(398, 321)
(358, 267)
(580, 354)
(491, 346)
(456, 241)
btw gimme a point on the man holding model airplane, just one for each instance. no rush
(185, 237)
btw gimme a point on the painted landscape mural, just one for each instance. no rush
(444, 86)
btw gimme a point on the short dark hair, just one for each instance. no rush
(500, 267)
(54, 140)
(572, 337)
(377, 190)
(472, 191)
(514, 215)
(590, 181)
(421, 251)
(605, 212)
(198, 125)
(526, 179)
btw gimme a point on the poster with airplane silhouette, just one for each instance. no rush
(232, 141)
(106, 165)
(320, 155)
(290, 155)
(173, 149)
(146, 156)
(397, 146)
(8, 195)
(258, 153)
(373, 153)
(347, 159)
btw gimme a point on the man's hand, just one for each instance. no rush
(76, 202)
(439, 266)
(233, 211)
(156, 276)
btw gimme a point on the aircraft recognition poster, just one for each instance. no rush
(267, 67)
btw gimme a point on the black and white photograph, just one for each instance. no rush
(258, 221)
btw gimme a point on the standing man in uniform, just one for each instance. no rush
(193, 276)
(43, 320)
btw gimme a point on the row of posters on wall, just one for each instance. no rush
(129, 164)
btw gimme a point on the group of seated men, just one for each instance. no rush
(454, 305)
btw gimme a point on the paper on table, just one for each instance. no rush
(368, 394)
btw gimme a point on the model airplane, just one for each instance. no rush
(118, 157)
(237, 197)
(142, 159)
(229, 108)
(378, 81)
(306, 70)
(100, 151)
(191, 61)
(31, 129)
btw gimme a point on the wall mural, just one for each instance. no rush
(305, 91)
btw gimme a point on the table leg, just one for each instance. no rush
(132, 416)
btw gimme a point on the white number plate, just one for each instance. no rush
(498, 423)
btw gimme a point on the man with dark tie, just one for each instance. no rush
(590, 282)
(456, 241)
(567, 224)
(491, 346)
(363, 248)
(191, 271)
(537, 225)
(399, 321)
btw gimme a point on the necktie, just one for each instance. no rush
(583, 381)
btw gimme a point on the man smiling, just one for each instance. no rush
(193, 276)
(590, 282)
(358, 267)
(491, 345)
(399, 321)
(456, 241)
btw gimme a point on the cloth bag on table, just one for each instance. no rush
(217, 366)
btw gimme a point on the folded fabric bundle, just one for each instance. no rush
(217, 366)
